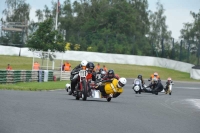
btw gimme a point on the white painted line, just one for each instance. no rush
(190, 88)
(195, 102)
(56, 90)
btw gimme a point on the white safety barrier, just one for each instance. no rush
(110, 58)
(194, 73)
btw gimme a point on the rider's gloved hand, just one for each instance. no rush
(111, 95)
(99, 83)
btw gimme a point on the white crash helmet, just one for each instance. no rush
(155, 74)
(122, 81)
(84, 63)
(169, 78)
(103, 73)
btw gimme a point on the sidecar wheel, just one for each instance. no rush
(109, 99)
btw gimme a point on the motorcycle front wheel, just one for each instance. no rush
(77, 95)
(84, 94)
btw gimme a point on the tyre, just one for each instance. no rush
(77, 97)
(109, 99)
(70, 93)
(77, 93)
(84, 89)
(170, 93)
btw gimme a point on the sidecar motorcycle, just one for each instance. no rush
(86, 88)
(137, 86)
(168, 88)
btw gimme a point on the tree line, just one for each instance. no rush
(108, 26)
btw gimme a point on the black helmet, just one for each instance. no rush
(140, 76)
(100, 70)
(111, 73)
(90, 65)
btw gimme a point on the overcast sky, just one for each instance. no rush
(176, 11)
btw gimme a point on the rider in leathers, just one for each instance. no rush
(91, 75)
(74, 72)
(110, 75)
(169, 81)
(156, 86)
(112, 87)
(142, 80)
(98, 74)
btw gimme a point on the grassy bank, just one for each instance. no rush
(128, 71)
(35, 86)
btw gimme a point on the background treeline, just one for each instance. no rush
(109, 26)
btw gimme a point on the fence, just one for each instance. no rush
(25, 76)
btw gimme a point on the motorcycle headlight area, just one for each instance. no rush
(68, 86)
(136, 88)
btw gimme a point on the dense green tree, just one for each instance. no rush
(95, 20)
(191, 34)
(46, 38)
(39, 15)
(16, 11)
(112, 26)
(159, 35)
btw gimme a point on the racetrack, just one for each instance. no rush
(57, 112)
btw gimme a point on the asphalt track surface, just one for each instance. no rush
(57, 112)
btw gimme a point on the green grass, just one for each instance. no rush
(125, 70)
(35, 86)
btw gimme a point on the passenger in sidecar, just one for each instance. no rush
(156, 86)
(112, 87)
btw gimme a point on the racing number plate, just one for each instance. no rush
(137, 82)
(83, 73)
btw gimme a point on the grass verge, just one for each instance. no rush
(35, 86)
(124, 70)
